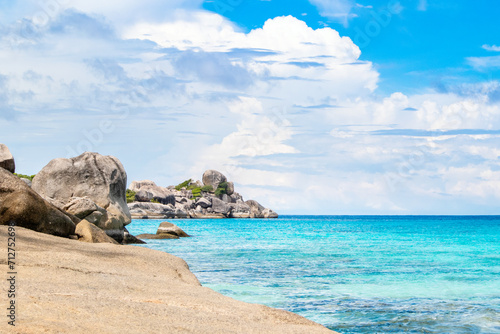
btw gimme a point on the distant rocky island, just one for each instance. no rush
(213, 197)
(86, 198)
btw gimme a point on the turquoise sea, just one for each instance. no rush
(353, 274)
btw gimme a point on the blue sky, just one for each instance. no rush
(310, 106)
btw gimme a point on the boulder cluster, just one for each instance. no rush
(213, 197)
(82, 198)
(86, 197)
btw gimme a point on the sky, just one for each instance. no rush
(308, 106)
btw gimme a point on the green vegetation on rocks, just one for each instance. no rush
(207, 188)
(22, 176)
(221, 189)
(183, 184)
(196, 193)
(130, 196)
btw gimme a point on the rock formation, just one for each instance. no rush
(166, 230)
(213, 178)
(21, 206)
(169, 228)
(90, 186)
(214, 198)
(6, 159)
(88, 232)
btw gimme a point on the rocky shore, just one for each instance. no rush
(66, 286)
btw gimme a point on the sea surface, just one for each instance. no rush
(353, 274)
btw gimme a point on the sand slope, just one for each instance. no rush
(66, 286)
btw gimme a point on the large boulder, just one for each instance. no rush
(6, 159)
(101, 179)
(21, 206)
(213, 178)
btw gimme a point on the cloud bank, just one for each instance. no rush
(290, 113)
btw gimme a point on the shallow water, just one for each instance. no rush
(353, 274)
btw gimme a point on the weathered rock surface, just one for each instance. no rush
(219, 206)
(101, 179)
(27, 181)
(204, 202)
(88, 232)
(6, 159)
(140, 210)
(81, 288)
(148, 190)
(129, 239)
(21, 205)
(213, 178)
(169, 228)
(230, 188)
(80, 207)
(240, 210)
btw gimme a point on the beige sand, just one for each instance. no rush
(67, 286)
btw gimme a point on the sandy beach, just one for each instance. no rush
(67, 286)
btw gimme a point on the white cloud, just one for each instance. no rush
(484, 63)
(339, 10)
(286, 111)
(491, 48)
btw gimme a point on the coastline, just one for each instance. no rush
(67, 286)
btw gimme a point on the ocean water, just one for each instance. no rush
(353, 274)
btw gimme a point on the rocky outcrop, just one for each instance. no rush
(129, 239)
(147, 191)
(74, 184)
(140, 210)
(21, 206)
(6, 159)
(169, 228)
(214, 198)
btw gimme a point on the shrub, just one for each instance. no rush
(22, 176)
(183, 184)
(208, 188)
(154, 200)
(130, 195)
(196, 193)
(221, 189)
